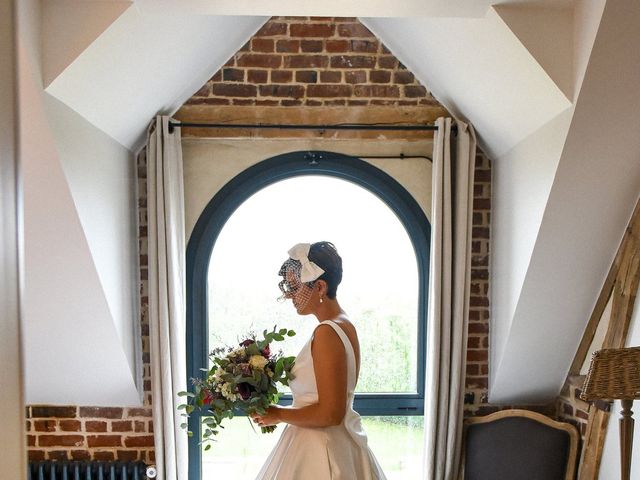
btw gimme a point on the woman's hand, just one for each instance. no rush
(271, 417)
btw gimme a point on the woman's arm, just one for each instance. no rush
(330, 366)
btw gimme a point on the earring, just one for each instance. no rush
(320, 299)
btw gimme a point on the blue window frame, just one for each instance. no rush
(255, 178)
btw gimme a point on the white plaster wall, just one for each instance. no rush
(610, 466)
(73, 353)
(521, 183)
(101, 177)
(210, 164)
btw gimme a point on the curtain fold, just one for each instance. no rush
(167, 308)
(449, 283)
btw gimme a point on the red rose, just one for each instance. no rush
(244, 391)
(266, 352)
(208, 398)
(247, 342)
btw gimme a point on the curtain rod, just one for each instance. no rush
(343, 126)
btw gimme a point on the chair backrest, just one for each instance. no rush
(519, 445)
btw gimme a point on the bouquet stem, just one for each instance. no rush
(269, 429)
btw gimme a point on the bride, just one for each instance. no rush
(324, 439)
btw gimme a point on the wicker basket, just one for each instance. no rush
(614, 374)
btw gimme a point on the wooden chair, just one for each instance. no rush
(518, 445)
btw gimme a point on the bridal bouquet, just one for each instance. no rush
(241, 380)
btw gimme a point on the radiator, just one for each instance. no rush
(65, 470)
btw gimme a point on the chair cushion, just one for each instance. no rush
(515, 448)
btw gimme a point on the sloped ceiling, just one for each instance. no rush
(549, 85)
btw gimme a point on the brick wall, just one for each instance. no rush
(101, 433)
(297, 61)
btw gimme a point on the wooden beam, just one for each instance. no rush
(422, 115)
(623, 292)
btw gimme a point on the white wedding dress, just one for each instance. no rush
(328, 453)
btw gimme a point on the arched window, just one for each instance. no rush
(383, 236)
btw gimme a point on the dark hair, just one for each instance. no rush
(325, 255)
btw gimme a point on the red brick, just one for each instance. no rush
(327, 91)
(281, 76)
(70, 425)
(31, 440)
(294, 91)
(403, 77)
(482, 175)
(364, 46)
(290, 103)
(233, 75)
(257, 76)
(479, 301)
(582, 414)
(318, 30)
(58, 455)
(384, 49)
(385, 103)
(481, 204)
(358, 76)
(306, 61)
(335, 103)
(95, 426)
(264, 45)
(312, 103)
(122, 426)
(473, 369)
(58, 412)
(139, 426)
(480, 232)
(353, 30)
(139, 441)
(127, 455)
(101, 412)
(204, 91)
(288, 46)
(36, 455)
(307, 76)
(387, 62)
(477, 356)
(104, 441)
(234, 90)
(331, 76)
(478, 328)
(217, 77)
(480, 261)
(80, 455)
(244, 101)
(376, 91)
(413, 91)
(270, 29)
(60, 440)
(45, 425)
(379, 76)
(478, 382)
(352, 61)
(473, 342)
(259, 60)
(104, 456)
(337, 46)
(357, 103)
(311, 46)
(267, 103)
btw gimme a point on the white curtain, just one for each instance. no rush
(449, 283)
(167, 309)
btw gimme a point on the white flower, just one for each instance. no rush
(258, 362)
(227, 393)
(218, 374)
(238, 353)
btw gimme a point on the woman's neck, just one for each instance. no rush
(328, 310)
